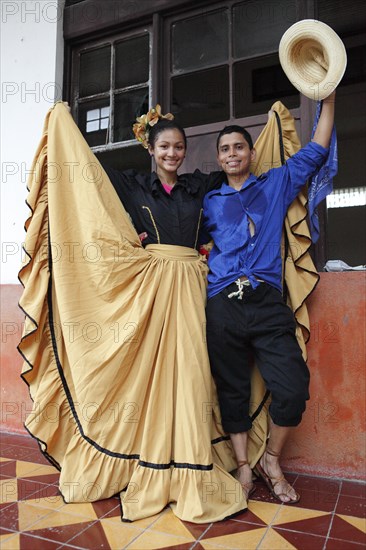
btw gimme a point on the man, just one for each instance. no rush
(245, 310)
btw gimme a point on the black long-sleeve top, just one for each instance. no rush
(173, 218)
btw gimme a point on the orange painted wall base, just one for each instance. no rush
(331, 439)
(15, 401)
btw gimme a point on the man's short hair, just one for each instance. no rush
(238, 129)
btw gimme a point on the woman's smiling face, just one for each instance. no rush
(169, 151)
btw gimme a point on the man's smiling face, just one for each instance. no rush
(235, 156)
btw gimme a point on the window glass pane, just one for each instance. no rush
(92, 126)
(356, 65)
(128, 106)
(125, 158)
(89, 121)
(105, 112)
(200, 41)
(259, 25)
(350, 121)
(202, 97)
(271, 83)
(104, 123)
(260, 82)
(93, 114)
(132, 61)
(345, 230)
(343, 17)
(346, 225)
(95, 67)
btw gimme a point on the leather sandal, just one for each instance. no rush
(248, 488)
(271, 482)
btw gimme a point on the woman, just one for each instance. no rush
(165, 206)
(114, 345)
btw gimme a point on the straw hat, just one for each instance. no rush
(313, 57)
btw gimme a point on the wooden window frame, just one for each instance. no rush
(158, 17)
(74, 98)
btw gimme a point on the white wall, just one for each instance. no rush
(31, 81)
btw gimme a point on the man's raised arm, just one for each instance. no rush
(323, 131)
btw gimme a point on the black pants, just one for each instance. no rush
(262, 324)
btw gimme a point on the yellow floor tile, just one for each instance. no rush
(359, 523)
(273, 540)
(121, 534)
(5, 536)
(11, 543)
(287, 514)
(43, 513)
(53, 519)
(25, 469)
(210, 546)
(4, 459)
(247, 539)
(8, 490)
(264, 510)
(140, 523)
(52, 503)
(171, 525)
(82, 509)
(154, 540)
(29, 515)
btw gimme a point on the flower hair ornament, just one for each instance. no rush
(141, 128)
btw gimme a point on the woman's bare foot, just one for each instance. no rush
(245, 478)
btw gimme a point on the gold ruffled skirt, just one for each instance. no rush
(114, 349)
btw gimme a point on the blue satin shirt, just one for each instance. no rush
(264, 200)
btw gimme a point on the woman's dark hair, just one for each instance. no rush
(238, 129)
(165, 124)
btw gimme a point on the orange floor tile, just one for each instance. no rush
(330, 515)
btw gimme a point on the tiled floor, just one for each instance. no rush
(330, 515)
